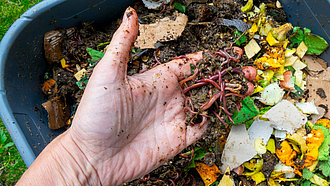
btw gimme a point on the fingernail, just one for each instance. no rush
(127, 14)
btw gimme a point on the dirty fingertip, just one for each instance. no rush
(128, 13)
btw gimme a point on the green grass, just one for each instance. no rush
(10, 10)
(11, 164)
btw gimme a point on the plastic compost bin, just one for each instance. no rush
(22, 61)
(22, 66)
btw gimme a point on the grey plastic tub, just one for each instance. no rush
(22, 65)
(22, 61)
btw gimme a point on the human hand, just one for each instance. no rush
(129, 125)
(125, 126)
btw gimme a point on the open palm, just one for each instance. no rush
(127, 126)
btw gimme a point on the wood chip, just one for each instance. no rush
(53, 50)
(57, 113)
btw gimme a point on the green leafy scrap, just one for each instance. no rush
(297, 36)
(180, 7)
(316, 44)
(263, 83)
(83, 82)
(95, 54)
(324, 148)
(298, 93)
(306, 183)
(307, 174)
(242, 40)
(101, 44)
(263, 110)
(290, 68)
(248, 111)
(199, 153)
(216, 183)
(192, 68)
(324, 166)
(248, 124)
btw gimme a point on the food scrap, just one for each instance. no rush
(260, 89)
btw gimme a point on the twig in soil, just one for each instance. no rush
(200, 23)
(237, 39)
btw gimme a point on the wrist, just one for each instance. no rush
(61, 163)
(73, 162)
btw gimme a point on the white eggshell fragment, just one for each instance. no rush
(286, 116)
(238, 141)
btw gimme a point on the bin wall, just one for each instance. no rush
(22, 66)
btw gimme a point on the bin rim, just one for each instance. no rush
(7, 41)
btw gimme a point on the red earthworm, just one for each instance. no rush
(67, 68)
(221, 120)
(235, 94)
(172, 182)
(189, 110)
(203, 121)
(164, 6)
(239, 51)
(236, 50)
(184, 155)
(192, 151)
(224, 101)
(228, 114)
(155, 55)
(176, 176)
(226, 71)
(184, 181)
(144, 178)
(232, 85)
(188, 100)
(194, 181)
(231, 88)
(190, 77)
(211, 82)
(211, 101)
(157, 180)
(238, 105)
(194, 86)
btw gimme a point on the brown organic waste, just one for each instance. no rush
(318, 83)
(246, 89)
(164, 30)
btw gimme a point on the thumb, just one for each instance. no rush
(113, 66)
